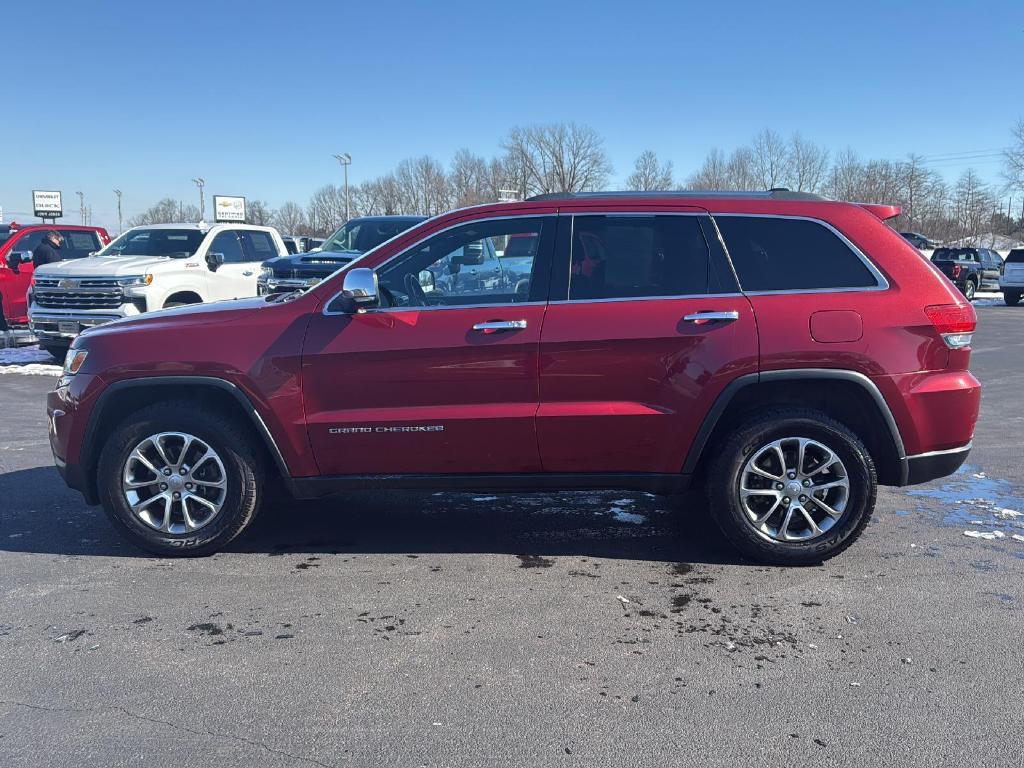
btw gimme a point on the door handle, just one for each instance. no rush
(248, 273)
(702, 318)
(493, 326)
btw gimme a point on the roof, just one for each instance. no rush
(394, 217)
(772, 194)
(204, 226)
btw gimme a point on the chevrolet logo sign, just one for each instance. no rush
(68, 283)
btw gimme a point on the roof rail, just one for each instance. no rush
(777, 193)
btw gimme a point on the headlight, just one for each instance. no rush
(135, 285)
(73, 361)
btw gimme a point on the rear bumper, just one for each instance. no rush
(929, 466)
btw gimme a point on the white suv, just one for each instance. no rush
(147, 268)
(1011, 281)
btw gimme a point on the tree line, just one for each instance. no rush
(569, 157)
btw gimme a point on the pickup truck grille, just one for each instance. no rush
(77, 293)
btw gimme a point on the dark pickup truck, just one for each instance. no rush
(970, 269)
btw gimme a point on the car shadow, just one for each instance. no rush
(40, 515)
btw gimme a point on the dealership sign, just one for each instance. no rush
(228, 208)
(47, 205)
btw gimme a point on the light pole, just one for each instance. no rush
(81, 206)
(118, 193)
(199, 182)
(346, 160)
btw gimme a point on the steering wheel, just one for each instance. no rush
(417, 296)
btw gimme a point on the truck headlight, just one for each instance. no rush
(136, 284)
(73, 361)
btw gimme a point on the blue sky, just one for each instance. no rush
(256, 96)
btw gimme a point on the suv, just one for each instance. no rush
(16, 246)
(1011, 283)
(307, 267)
(150, 267)
(783, 352)
(971, 269)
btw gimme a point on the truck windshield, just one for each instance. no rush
(175, 243)
(362, 236)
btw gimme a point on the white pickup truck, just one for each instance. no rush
(147, 268)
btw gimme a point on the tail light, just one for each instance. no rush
(957, 269)
(954, 322)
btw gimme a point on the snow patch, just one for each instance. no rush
(17, 355)
(986, 535)
(32, 369)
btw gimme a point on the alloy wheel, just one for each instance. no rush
(174, 482)
(794, 489)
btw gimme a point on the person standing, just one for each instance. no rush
(48, 250)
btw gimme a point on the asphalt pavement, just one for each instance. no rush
(597, 629)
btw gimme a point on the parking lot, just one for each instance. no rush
(578, 628)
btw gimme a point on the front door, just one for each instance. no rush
(650, 328)
(236, 277)
(442, 377)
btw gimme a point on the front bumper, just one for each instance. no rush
(67, 410)
(54, 326)
(267, 286)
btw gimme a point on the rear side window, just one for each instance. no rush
(1015, 257)
(258, 245)
(617, 257)
(780, 254)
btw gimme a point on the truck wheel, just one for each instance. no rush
(1012, 298)
(180, 480)
(969, 290)
(57, 350)
(792, 487)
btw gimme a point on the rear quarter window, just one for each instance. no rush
(782, 254)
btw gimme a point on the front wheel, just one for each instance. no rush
(180, 480)
(1012, 298)
(969, 290)
(792, 487)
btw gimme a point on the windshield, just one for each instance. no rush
(361, 235)
(176, 243)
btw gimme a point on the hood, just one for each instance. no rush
(181, 317)
(105, 265)
(314, 263)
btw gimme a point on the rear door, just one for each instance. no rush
(992, 263)
(645, 327)
(440, 379)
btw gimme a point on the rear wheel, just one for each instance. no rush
(792, 487)
(969, 290)
(180, 480)
(1012, 298)
(57, 350)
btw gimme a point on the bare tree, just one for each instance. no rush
(648, 174)
(1013, 159)
(807, 165)
(258, 212)
(713, 174)
(557, 157)
(326, 210)
(423, 186)
(468, 180)
(290, 219)
(770, 159)
(167, 211)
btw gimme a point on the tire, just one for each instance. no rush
(57, 351)
(788, 425)
(236, 461)
(1012, 298)
(969, 290)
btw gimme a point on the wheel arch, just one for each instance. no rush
(185, 296)
(852, 399)
(125, 397)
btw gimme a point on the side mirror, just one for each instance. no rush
(427, 281)
(359, 291)
(16, 259)
(214, 261)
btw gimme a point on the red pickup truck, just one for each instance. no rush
(16, 245)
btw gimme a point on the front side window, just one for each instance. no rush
(782, 254)
(175, 243)
(362, 235)
(638, 256)
(462, 266)
(227, 243)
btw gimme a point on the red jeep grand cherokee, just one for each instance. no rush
(787, 352)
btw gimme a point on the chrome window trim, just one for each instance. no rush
(881, 283)
(674, 297)
(420, 242)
